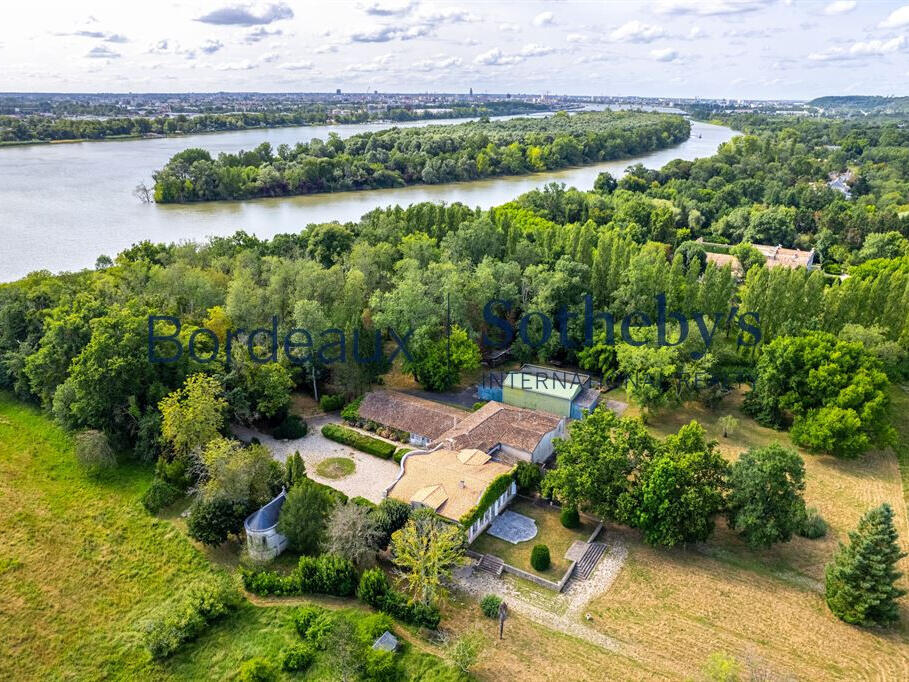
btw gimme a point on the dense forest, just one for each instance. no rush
(431, 154)
(38, 128)
(77, 343)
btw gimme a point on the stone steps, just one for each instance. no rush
(491, 564)
(589, 561)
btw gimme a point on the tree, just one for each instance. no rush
(247, 475)
(353, 534)
(765, 503)
(425, 551)
(747, 256)
(729, 424)
(681, 489)
(861, 580)
(93, 451)
(212, 519)
(304, 516)
(439, 364)
(390, 515)
(594, 464)
(193, 415)
(605, 183)
(294, 470)
(834, 389)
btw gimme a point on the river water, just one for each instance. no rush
(63, 205)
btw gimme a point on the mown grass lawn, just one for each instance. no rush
(675, 607)
(550, 532)
(336, 467)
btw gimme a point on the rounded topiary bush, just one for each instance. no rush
(569, 517)
(490, 605)
(290, 429)
(539, 557)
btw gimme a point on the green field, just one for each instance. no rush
(83, 564)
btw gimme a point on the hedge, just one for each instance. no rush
(325, 574)
(331, 403)
(160, 494)
(184, 620)
(375, 590)
(495, 490)
(367, 444)
(399, 454)
(351, 411)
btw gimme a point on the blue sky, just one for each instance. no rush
(794, 49)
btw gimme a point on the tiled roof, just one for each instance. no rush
(409, 413)
(496, 423)
(441, 480)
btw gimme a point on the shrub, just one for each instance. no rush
(490, 606)
(325, 574)
(298, 658)
(185, 619)
(351, 412)
(398, 606)
(528, 476)
(477, 405)
(257, 669)
(320, 630)
(812, 526)
(212, 520)
(373, 587)
(305, 616)
(363, 502)
(331, 403)
(390, 515)
(539, 557)
(380, 666)
(93, 451)
(160, 494)
(371, 626)
(290, 429)
(367, 444)
(399, 454)
(569, 517)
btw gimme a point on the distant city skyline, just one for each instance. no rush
(740, 49)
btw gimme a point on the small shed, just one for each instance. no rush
(387, 642)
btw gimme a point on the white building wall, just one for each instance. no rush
(493, 511)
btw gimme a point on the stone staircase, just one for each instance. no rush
(588, 562)
(491, 564)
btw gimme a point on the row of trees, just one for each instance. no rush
(404, 156)
(54, 128)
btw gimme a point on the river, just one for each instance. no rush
(63, 205)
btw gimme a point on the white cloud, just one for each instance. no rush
(576, 38)
(635, 31)
(509, 28)
(296, 66)
(707, 7)
(325, 49)
(376, 64)
(437, 63)
(244, 65)
(534, 50)
(211, 46)
(897, 19)
(664, 55)
(102, 52)
(269, 57)
(389, 9)
(868, 48)
(495, 57)
(246, 15)
(543, 18)
(840, 7)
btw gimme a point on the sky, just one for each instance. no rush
(758, 49)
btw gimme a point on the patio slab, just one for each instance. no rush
(513, 527)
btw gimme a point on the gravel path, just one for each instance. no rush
(574, 598)
(369, 480)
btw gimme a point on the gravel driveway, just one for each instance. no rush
(369, 480)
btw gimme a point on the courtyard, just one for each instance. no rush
(550, 532)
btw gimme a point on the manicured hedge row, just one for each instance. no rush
(498, 486)
(183, 620)
(367, 444)
(325, 574)
(399, 454)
